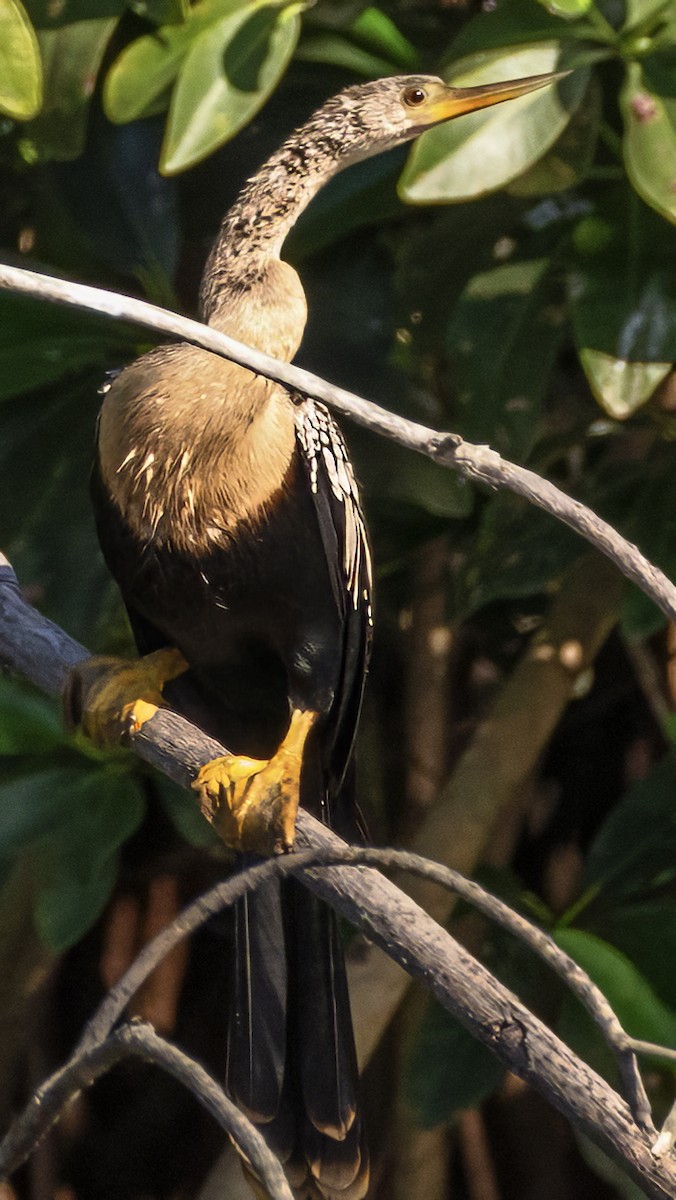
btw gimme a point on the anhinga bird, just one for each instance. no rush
(228, 514)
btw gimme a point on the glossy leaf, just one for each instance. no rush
(650, 142)
(378, 32)
(485, 150)
(640, 1011)
(502, 342)
(20, 66)
(568, 9)
(622, 289)
(571, 156)
(139, 82)
(72, 57)
(621, 386)
(228, 73)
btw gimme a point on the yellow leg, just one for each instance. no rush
(252, 803)
(110, 698)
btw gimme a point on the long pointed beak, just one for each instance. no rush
(463, 100)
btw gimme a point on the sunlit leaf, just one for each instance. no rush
(569, 9)
(378, 32)
(20, 66)
(227, 75)
(621, 387)
(622, 289)
(138, 83)
(644, 12)
(650, 142)
(72, 56)
(570, 157)
(485, 150)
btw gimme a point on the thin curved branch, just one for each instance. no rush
(141, 1041)
(224, 894)
(479, 464)
(370, 902)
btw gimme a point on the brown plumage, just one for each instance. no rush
(228, 513)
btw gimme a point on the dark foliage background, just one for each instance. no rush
(512, 279)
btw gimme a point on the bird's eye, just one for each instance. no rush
(413, 96)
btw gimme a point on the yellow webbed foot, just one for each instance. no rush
(252, 803)
(111, 698)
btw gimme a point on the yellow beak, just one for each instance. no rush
(457, 101)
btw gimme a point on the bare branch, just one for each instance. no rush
(479, 464)
(139, 1040)
(223, 895)
(492, 1013)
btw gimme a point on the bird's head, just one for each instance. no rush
(372, 117)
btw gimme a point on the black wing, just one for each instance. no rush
(348, 557)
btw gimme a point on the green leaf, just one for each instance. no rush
(621, 387)
(517, 552)
(650, 141)
(376, 31)
(447, 1069)
(162, 12)
(502, 342)
(571, 156)
(520, 21)
(42, 343)
(646, 932)
(20, 66)
(228, 74)
(364, 195)
(72, 57)
(485, 150)
(622, 287)
(641, 1012)
(568, 9)
(79, 862)
(336, 50)
(45, 14)
(138, 83)
(644, 13)
(29, 722)
(185, 815)
(636, 846)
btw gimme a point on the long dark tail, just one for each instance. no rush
(291, 1057)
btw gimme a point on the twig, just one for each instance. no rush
(492, 1013)
(141, 1041)
(477, 463)
(222, 895)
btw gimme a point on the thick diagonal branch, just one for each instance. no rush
(43, 653)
